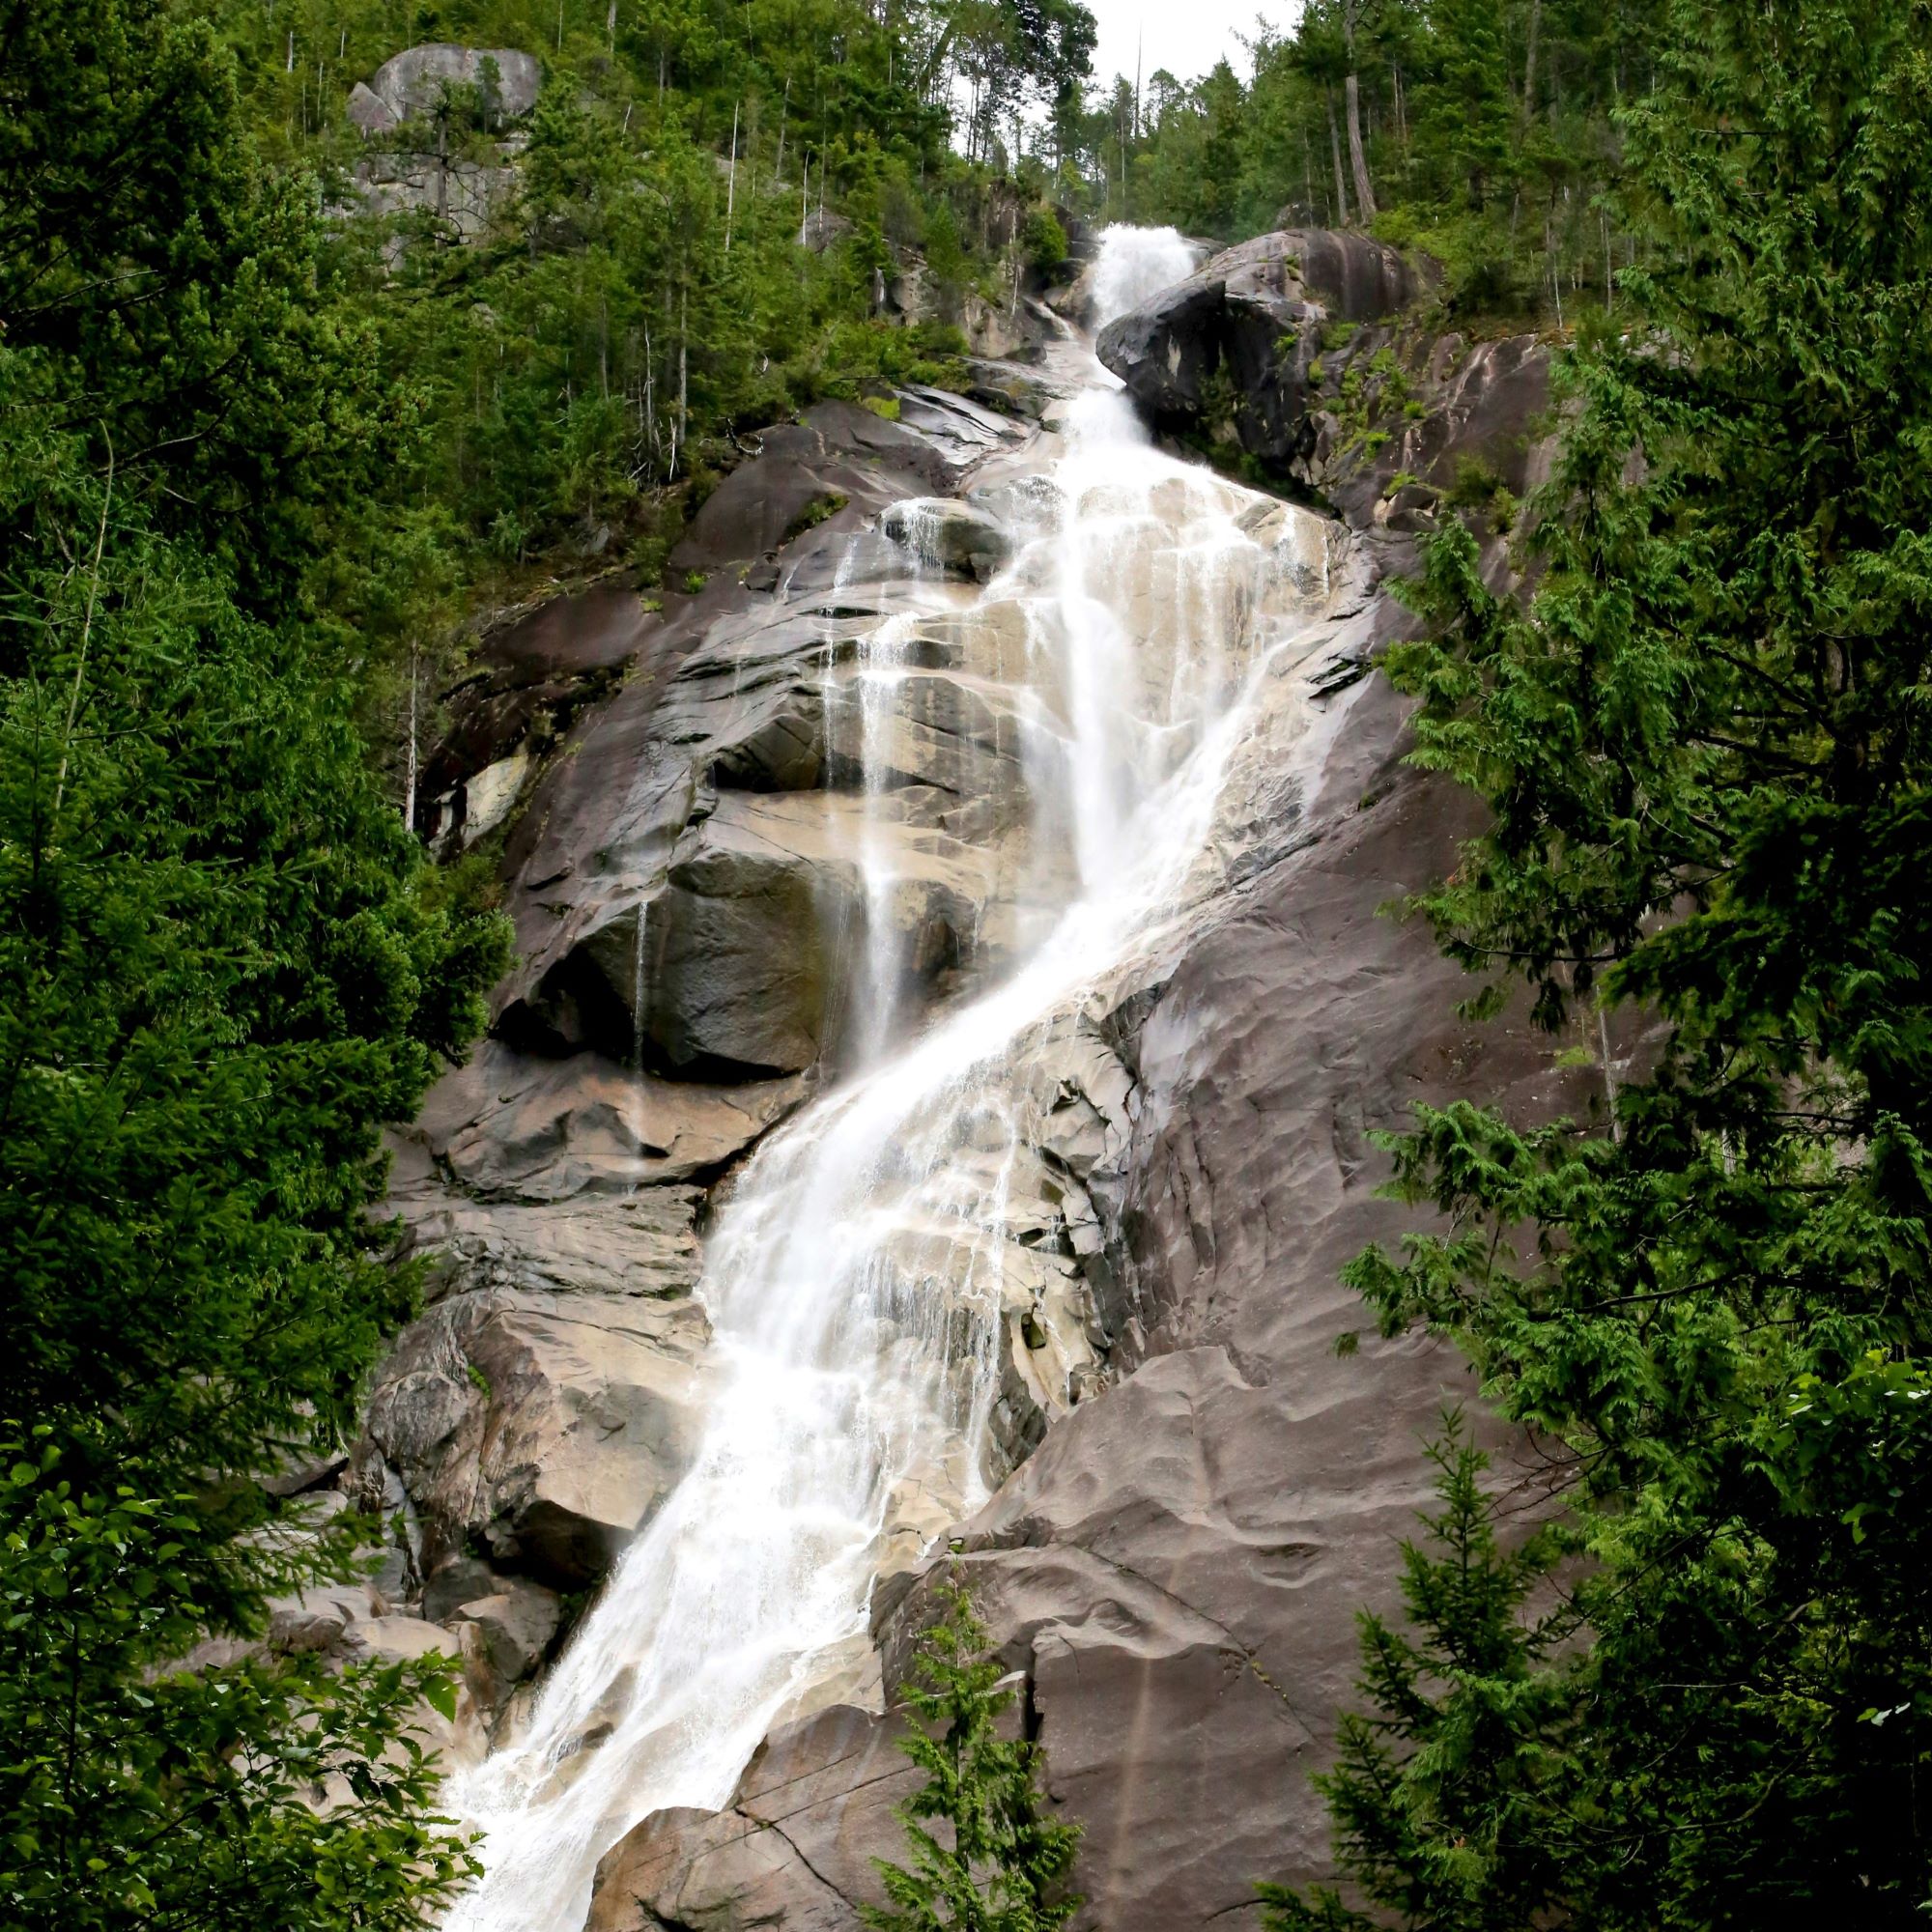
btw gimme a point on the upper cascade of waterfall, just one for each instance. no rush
(867, 1278)
(1136, 264)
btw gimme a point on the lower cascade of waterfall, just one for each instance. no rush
(860, 1277)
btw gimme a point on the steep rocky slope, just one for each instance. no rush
(1202, 1491)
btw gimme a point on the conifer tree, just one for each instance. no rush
(1705, 746)
(224, 968)
(998, 1863)
(1441, 1791)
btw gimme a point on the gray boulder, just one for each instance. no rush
(792, 1850)
(516, 1626)
(411, 83)
(1233, 316)
(545, 1427)
(822, 229)
(370, 112)
(948, 537)
(454, 1584)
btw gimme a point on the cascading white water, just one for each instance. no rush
(1135, 263)
(856, 1280)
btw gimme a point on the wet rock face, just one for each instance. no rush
(683, 779)
(1177, 1565)
(1195, 1494)
(700, 826)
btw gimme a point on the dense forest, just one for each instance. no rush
(1481, 130)
(278, 435)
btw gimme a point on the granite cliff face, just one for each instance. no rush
(1180, 1492)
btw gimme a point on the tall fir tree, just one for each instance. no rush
(224, 968)
(1442, 1791)
(1705, 746)
(1000, 1862)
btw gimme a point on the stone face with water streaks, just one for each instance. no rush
(547, 1399)
(1176, 1557)
(1177, 1565)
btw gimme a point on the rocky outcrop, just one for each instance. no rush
(413, 83)
(1230, 319)
(1177, 1566)
(548, 1397)
(416, 174)
(1304, 351)
(673, 777)
(463, 196)
(793, 1848)
(698, 836)
(1196, 1491)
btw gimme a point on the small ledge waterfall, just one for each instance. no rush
(863, 1280)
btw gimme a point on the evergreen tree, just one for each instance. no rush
(1001, 1863)
(138, 1792)
(1441, 1799)
(224, 968)
(1705, 747)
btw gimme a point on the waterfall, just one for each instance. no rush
(860, 1278)
(1135, 263)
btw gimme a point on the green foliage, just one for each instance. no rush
(138, 1792)
(1001, 1865)
(1441, 1798)
(1043, 239)
(1487, 131)
(1705, 750)
(160, 288)
(217, 982)
(635, 293)
(222, 973)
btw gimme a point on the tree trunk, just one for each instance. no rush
(1530, 64)
(1335, 152)
(410, 783)
(683, 372)
(1365, 196)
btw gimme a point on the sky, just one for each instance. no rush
(1186, 36)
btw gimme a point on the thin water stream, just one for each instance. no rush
(857, 1279)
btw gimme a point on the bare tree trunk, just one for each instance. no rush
(1365, 195)
(731, 182)
(1335, 153)
(409, 782)
(683, 372)
(650, 395)
(1609, 1072)
(1529, 65)
(1352, 90)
